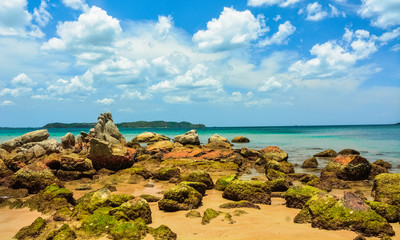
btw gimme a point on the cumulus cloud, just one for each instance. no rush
(23, 80)
(285, 30)
(383, 13)
(163, 26)
(281, 3)
(105, 101)
(21, 86)
(315, 12)
(134, 93)
(76, 86)
(233, 29)
(270, 84)
(76, 4)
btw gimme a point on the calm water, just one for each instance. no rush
(373, 141)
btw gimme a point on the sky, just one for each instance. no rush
(220, 63)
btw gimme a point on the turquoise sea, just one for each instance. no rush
(300, 142)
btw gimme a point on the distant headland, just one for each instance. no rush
(137, 124)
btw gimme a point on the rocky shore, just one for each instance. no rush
(98, 185)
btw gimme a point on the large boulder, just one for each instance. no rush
(296, 197)
(274, 153)
(386, 188)
(133, 209)
(150, 137)
(113, 157)
(74, 166)
(350, 167)
(160, 147)
(68, 141)
(180, 197)
(349, 151)
(240, 139)
(199, 176)
(310, 163)
(253, 191)
(106, 130)
(34, 177)
(351, 212)
(189, 138)
(217, 138)
(166, 173)
(282, 166)
(35, 136)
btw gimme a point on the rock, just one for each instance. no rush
(99, 223)
(49, 145)
(31, 231)
(199, 176)
(133, 209)
(217, 138)
(310, 163)
(382, 163)
(7, 193)
(162, 233)
(208, 215)
(279, 185)
(180, 197)
(83, 187)
(34, 177)
(223, 182)
(166, 173)
(35, 136)
(274, 153)
(249, 153)
(386, 188)
(296, 197)
(282, 166)
(193, 214)
(240, 139)
(190, 138)
(63, 233)
(390, 212)
(161, 146)
(329, 180)
(106, 130)
(350, 167)
(68, 141)
(136, 170)
(360, 237)
(75, 162)
(199, 186)
(240, 204)
(253, 191)
(112, 157)
(326, 212)
(150, 137)
(376, 170)
(349, 151)
(218, 145)
(150, 198)
(4, 170)
(326, 153)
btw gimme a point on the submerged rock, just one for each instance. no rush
(282, 166)
(191, 138)
(253, 191)
(240, 139)
(326, 153)
(382, 163)
(310, 163)
(180, 197)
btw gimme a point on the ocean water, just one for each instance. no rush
(300, 142)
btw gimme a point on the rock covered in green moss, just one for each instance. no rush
(350, 167)
(390, 212)
(199, 186)
(223, 182)
(150, 198)
(279, 185)
(240, 204)
(133, 209)
(193, 214)
(386, 188)
(63, 233)
(273, 153)
(199, 176)
(98, 223)
(326, 153)
(180, 197)
(253, 191)
(349, 151)
(31, 231)
(162, 233)
(326, 212)
(129, 230)
(166, 173)
(209, 214)
(296, 197)
(282, 166)
(136, 170)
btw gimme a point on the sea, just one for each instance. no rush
(300, 142)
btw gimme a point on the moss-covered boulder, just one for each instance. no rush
(386, 188)
(349, 151)
(274, 153)
(326, 153)
(273, 174)
(296, 197)
(136, 170)
(376, 170)
(240, 204)
(193, 214)
(310, 163)
(282, 166)
(223, 182)
(63, 233)
(51, 198)
(279, 185)
(350, 167)
(326, 212)
(390, 212)
(133, 209)
(31, 231)
(166, 173)
(199, 186)
(328, 181)
(180, 197)
(150, 198)
(384, 164)
(209, 214)
(253, 191)
(98, 223)
(199, 176)
(34, 177)
(162, 233)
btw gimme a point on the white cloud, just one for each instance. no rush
(383, 13)
(76, 4)
(105, 101)
(163, 26)
(270, 84)
(396, 47)
(277, 18)
(134, 94)
(176, 99)
(315, 12)
(6, 103)
(15, 20)
(42, 16)
(285, 30)
(22, 79)
(233, 29)
(15, 92)
(281, 3)
(76, 86)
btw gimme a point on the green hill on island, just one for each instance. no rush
(138, 124)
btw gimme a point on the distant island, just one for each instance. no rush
(138, 124)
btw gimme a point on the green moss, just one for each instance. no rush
(208, 215)
(240, 204)
(199, 176)
(282, 166)
(389, 212)
(279, 185)
(223, 182)
(199, 186)
(129, 230)
(63, 233)
(193, 214)
(150, 198)
(163, 233)
(253, 191)
(139, 170)
(239, 212)
(208, 165)
(180, 197)
(296, 197)
(386, 188)
(133, 209)
(51, 198)
(273, 174)
(228, 218)
(166, 173)
(33, 230)
(98, 223)
(303, 216)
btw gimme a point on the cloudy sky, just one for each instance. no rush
(221, 63)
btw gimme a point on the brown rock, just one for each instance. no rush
(240, 139)
(274, 153)
(310, 163)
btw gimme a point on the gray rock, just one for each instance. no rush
(190, 137)
(35, 136)
(217, 138)
(68, 141)
(106, 130)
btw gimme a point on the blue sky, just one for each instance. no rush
(221, 63)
